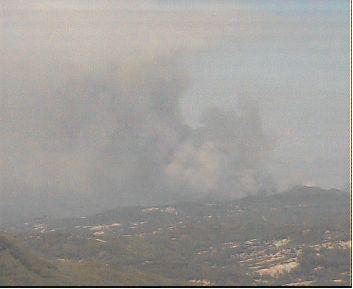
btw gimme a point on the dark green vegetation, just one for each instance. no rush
(20, 268)
(300, 237)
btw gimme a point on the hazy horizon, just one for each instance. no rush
(114, 103)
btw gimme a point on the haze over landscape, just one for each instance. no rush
(115, 103)
(174, 143)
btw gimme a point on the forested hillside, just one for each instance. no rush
(299, 237)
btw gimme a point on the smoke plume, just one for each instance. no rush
(97, 127)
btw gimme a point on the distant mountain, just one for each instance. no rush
(307, 190)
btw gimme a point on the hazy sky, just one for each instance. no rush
(108, 103)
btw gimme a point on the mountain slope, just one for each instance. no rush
(18, 267)
(302, 235)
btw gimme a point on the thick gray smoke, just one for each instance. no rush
(226, 155)
(87, 125)
(100, 101)
(118, 138)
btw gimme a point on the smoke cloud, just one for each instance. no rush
(118, 137)
(90, 107)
